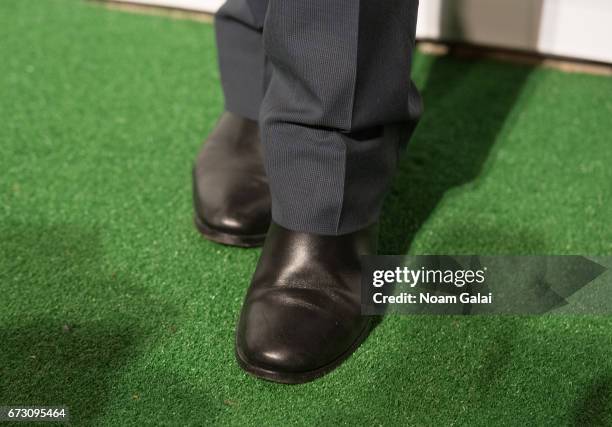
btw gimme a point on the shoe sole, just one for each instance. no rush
(242, 241)
(306, 376)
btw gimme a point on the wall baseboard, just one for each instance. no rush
(564, 28)
(208, 6)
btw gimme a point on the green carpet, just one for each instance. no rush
(113, 305)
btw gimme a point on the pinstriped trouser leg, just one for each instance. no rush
(339, 104)
(238, 27)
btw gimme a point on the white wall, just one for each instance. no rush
(573, 28)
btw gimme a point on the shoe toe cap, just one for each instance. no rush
(231, 209)
(281, 332)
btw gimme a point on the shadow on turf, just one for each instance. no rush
(70, 325)
(595, 407)
(467, 103)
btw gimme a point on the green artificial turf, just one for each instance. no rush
(113, 305)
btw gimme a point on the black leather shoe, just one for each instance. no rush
(230, 187)
(302, 313)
